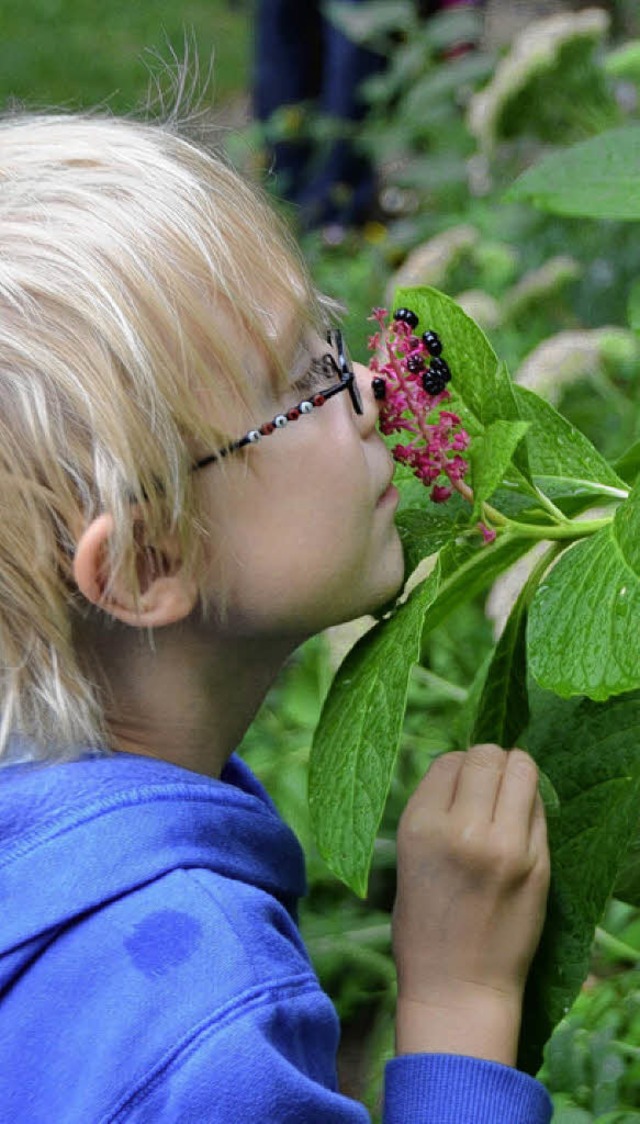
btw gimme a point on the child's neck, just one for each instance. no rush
(190, 698)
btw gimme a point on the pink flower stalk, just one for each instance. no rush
(414, 391)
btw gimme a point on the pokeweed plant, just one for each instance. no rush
(564, 678)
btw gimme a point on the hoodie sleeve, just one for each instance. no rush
(274, 1060)
(454, 1089)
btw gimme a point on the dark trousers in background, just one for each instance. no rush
(301, 57)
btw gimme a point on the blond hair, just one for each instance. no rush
(125, 253)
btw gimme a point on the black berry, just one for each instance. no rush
(440, 367)
(432, 383)
(415, 364)
(432, 342)
(407, 317)
(379, 387)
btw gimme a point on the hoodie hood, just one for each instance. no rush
(75, 818)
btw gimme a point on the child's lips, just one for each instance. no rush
(390, 495)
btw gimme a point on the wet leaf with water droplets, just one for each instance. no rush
(356, 741)
(583, 635)
(590, 753)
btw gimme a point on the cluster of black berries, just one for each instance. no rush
(437, 374)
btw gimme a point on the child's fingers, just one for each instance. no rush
(436, 791)
(479, 783)
(539, 842)
(516, 803)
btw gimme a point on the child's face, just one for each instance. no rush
(301, 524)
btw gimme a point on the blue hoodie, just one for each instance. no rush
(151, 968)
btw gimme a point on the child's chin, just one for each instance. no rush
(386, 599)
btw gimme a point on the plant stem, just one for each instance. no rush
(563, 528)
(451, 690)
(571, 530)
(617, 948)
(626, 1048)
(554, 511)
(464, 490)
(497, 519)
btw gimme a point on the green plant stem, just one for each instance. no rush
(573, 529)
(548, 504)
(366, 935)
(626, 1048)
(464, 490)
(430, 679)
(616, 947)
(497, 519)
(567, 529)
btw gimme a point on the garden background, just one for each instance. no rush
(560, 303)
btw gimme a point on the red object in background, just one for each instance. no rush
(427, 8)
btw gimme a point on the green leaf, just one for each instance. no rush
(550, 797)
(480, 381)
(475, 574)
(424, 531)
(590, 753)
(355, 746)
(502, 704)
(569, 1114)
(628, 465)
(367, 22)
(478, 378)
(490, 456)
(356, 741)
(583, 636)
(441, 82)
(446, 29)
(626, 525)
(622, 1116)
(627, 885)
(566, 1066)
(624, 62)
(559, 454)
(597, 178)
(503, 707)
(509, 409)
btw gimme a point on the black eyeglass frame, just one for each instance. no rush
(347, 381)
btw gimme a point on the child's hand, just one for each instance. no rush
(473, 876)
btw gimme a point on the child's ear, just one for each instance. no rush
(166, 595)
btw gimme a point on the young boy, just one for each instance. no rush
(168, 537)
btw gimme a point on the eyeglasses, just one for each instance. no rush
(347, 381)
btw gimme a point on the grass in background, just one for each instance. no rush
(74, 54)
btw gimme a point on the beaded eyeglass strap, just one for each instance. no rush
(279, 422)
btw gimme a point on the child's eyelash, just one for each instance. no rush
(319, 371)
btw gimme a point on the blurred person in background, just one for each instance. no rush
(301, 59)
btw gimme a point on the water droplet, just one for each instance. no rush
(621, 603)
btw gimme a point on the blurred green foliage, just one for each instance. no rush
(592, 1064)
(434, 177)
(76, 54)
(534, 278)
